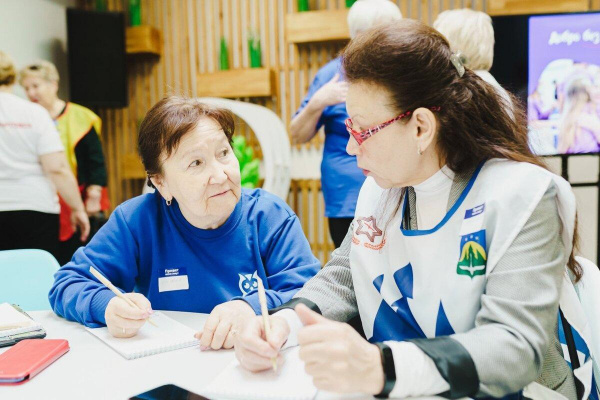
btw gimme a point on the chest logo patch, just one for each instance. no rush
(473, 256)
(248, 283)
(368, 227)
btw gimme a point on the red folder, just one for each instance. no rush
(28, 358)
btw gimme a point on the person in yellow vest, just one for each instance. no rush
(79, 130)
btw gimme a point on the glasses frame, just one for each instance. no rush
(361, 136)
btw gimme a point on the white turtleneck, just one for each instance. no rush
(432, 198)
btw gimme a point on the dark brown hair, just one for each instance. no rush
(168, 121)
(412, 62)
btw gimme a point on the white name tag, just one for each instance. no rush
(173, 279)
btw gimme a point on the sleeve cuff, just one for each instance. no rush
(98, 307)
(294, 302)
(416, 373)
(252, 300)
(454, 364)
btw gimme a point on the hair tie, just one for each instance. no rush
(457, 61)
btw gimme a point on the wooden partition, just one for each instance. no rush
(191, 31)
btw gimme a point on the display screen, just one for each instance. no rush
(552, 63)
(563, 101)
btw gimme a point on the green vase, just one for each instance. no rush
(135, 13)
(302, 5)
(349, 3)
(254, 50)
(223, 56)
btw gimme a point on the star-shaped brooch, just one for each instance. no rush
(368, 227)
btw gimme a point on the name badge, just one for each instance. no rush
(473, 221)
(171, 279)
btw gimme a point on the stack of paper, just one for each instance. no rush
(290, 382)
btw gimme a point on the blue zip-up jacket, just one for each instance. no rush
(149, 247)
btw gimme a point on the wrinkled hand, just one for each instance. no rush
(251, 347)
(333, 92)
(123, 320)
(336, 356)
(80, 219)
(223, 323)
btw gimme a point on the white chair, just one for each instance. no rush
(272, 137)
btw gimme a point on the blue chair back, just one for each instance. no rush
(26, 277)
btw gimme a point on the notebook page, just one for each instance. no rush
(9, 316)
(290, 382)
(168, 335)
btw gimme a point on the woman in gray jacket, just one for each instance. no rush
(456, 257)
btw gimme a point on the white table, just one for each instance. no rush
(92, 370)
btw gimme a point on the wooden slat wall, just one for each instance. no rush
(191, 32)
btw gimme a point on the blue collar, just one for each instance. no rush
(449, 214)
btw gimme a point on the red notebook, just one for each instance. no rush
(28, 357)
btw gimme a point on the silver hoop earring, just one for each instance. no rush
(168, 203)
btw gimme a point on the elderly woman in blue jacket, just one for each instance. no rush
(197, 244)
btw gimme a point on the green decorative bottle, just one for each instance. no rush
(135, 13)
(100, 5)
(223, 56)
(349, 3)
(302, 5)
(254, 50)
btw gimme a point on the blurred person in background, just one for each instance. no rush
(33, 167)
(79, 130)
(325, 105)
(471, 35)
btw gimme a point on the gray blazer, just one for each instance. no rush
(515, 340)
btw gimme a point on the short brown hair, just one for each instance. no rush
(168, 121)
(7, 70)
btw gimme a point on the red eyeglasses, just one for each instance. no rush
(360, 137)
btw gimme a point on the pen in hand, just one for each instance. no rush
(262, 299)
(116, 291)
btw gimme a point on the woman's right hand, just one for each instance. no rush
(80, 219)
(123, 320)
(252, 349)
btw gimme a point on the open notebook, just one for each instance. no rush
(290, 382)
(168, 335)
(14, 322)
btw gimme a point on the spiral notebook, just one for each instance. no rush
(14, 321)
(168, 335)
(290, 382)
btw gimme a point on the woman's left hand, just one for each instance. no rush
(336, 356)
(223, 323)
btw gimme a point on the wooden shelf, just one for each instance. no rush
(251, 82)
(512, 7)
(132, 167)
(316, 26)
(143, 39)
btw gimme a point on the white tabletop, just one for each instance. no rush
(92, 370)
